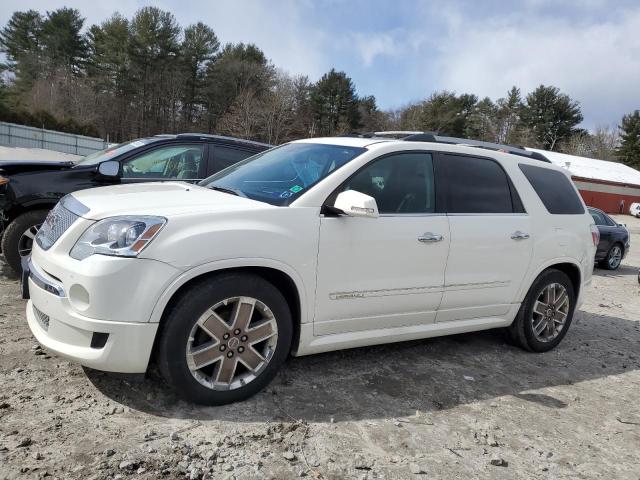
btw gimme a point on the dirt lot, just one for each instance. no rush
(468, 406)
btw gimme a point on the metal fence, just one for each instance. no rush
(13, 135)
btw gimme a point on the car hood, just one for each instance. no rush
(22, 166)
(164, 199)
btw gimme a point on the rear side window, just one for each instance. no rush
(477, 185)
(554, 189)
(224, 157)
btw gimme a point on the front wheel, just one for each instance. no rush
(546, 313)
(19, 236)
(225, 339)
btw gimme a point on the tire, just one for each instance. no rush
(614, 257)
(183, 333)
(13, 239)
(521, 332)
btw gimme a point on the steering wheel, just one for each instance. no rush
(405, 200)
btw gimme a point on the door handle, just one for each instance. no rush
(430, 238)
(518, 235)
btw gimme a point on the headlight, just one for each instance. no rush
(124, 236)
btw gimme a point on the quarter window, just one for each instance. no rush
(476, 185)
(175, 161)
(401, 183)
(598, 217)
(554, 189)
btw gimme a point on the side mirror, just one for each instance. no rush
(109, 169)
(356, 204)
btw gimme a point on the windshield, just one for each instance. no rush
(281, 174)
(112, 152)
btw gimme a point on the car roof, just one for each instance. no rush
(212, 138)
(343, 141)
(372, 143)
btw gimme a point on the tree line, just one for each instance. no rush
(127, 78)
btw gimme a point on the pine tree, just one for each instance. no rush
(552, 116)
(21, 41)
(198, 48)
(335, 104)
(629, 150)
(63, 44)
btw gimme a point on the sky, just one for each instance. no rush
(404, 50)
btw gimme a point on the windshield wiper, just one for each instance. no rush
(226, 190)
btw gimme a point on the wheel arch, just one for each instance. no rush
(19, 209)
(282, 277)
(568, 266)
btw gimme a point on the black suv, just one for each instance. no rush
(28, 190)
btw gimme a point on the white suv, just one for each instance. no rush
(316, 245)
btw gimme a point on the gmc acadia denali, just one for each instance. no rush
(316, 245)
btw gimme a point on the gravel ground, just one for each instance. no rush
(466, 406)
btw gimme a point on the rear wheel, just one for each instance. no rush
(19, 236)
(546, 313)
(225, 339)
(613, 259)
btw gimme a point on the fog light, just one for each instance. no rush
(79, 297)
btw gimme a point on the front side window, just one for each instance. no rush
(174, 161)
(280, 175)
(476, 185)
(400, 183)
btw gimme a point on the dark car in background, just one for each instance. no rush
(614, 240)
(28, 190)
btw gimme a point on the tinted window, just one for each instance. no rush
(173, 161)
(598, 217)
(609, 220)
(554, 189)
(476, 185)
(224, 157)
(401, 183)
(280, 175)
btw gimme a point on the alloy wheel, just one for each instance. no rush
(25, 244)
(550, 312)
(232, 343)
(615, 257)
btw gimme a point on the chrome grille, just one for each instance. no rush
(42, 318)
(56, 223)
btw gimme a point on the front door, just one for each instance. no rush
(387, 271)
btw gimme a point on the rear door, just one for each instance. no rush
(490, 246)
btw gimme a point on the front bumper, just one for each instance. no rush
(95, 312)
(127, 348)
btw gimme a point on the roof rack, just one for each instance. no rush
(434, 137)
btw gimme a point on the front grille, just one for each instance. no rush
(56, 223)
(42, 318)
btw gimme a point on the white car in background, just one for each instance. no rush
(316, 245)
(634, 209)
